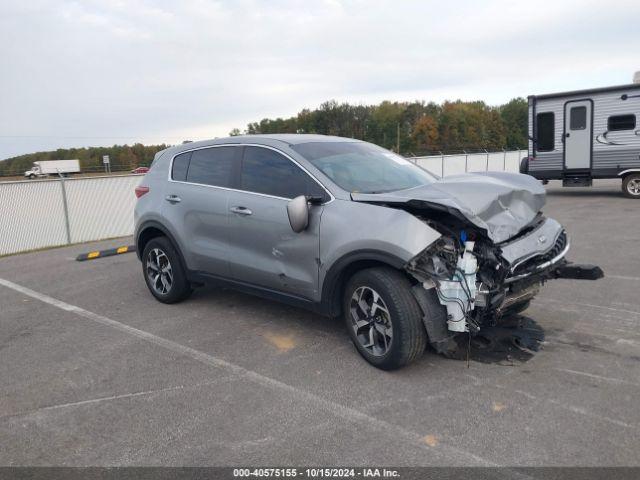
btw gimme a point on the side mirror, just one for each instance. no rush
(298, 211)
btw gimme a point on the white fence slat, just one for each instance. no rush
(32, 213)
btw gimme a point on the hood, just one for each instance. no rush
(500, 203)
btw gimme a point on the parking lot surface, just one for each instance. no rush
(94, 371)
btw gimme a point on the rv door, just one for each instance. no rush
(578, 126)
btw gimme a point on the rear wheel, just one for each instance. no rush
(631, 185)
(163, 271)
(383, 318)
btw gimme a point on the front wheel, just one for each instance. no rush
(631, 185)
(163, 271)
(383, 318)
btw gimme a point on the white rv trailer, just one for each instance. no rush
(586, 134)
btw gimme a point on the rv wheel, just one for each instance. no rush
(631, 185)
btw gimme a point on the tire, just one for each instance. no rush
(398, 313)
(171, 285)
(32, 176)
(631, 185)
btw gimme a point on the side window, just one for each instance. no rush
(212, 166)
(545, 131)
(621, 122)
(268, 172)
(180, 167)
(578, 118)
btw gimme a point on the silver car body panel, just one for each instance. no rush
(263, 249)
(537, 242)
(349, 227)
(498, 202)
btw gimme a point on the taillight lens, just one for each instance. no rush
(141, 190)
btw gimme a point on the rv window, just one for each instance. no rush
(545, 131)
(578, 118)
(621, 122)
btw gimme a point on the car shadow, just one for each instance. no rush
(515, 340)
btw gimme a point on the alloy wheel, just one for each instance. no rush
(159, 271)
(371, 321)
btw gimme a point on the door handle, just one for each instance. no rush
(172, 199)
(241, 210)
(567, 135)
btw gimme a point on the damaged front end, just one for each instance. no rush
(495, 251)
(479, 282)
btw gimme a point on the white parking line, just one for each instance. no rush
(571, 408)
(451, 453)
(110, 398)
(598, 377)
(622, 277)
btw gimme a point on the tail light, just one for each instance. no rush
(141, 190)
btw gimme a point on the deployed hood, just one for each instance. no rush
(500, 203)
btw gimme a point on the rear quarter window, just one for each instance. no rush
(180, 167)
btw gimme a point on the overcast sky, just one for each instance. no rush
(77, 73)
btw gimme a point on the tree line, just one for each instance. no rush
(412, 127)
(121, 157)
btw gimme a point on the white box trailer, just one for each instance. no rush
(44, 168)
(581, 135)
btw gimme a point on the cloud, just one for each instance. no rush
(162, 71)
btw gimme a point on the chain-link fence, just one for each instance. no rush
(47, 213)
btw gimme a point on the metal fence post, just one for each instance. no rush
(442, 162)
(485, 151)
(66, 208)
(466, 161)
(504, 160)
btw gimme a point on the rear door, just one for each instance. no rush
(197, 205)
(264, 251)
(578, 133)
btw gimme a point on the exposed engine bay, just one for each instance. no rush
(495, 250)
(480, 282)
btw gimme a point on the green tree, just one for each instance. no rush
(514, 115)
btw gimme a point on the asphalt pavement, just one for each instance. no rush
(94, 371)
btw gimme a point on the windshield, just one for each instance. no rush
(363, 167)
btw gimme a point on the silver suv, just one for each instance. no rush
(343, 227)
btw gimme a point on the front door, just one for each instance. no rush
(578, 126)
(263, 249)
